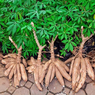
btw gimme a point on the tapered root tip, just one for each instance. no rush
(76, 90)
(46, 85)
(43, 85)
(63, 86)
(41, 89)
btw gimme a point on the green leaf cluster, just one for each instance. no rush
(51, 18)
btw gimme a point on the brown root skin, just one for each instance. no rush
(31, 69)
(20, 68)
(93, 65)
(59, 77)
(12, 72)
(6, 73)
(53, 72)
(79, 76)
(83, 75)
(16, 81)
(14, 55)
(29, 62)
(18, 58)
(47, 65)
(0, 59)
(24, 62)
(69, 60)
(36, 65)
(18, 71)
(62, 71)
(14, 66)
(71, 67)
(48, 76)
(33, 61)
(36, 77)
(42, 75)
(57, 65)
(3, 61)
(9, 64)
(1, 55)
(89, 69)
(40, 71)
(23, 72)
(7, 60)
(38, 44)
(62, 64)
(75, 72)
(35, 68)
(44, 70)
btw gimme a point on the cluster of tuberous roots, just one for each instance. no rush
(80, 64)
(15, 67)
(53, 67)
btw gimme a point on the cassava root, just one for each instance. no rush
(14, 65)
(80, 65)
(36, 65)
(55, 67)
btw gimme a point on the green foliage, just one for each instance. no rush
(51, 17)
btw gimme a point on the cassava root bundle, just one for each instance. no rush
(55, 67)
(49, 69)
(80, 65)
(36, 65)
(14, 65)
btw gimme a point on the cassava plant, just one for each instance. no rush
(15, 65)
(80, 64)
(36, 65)
(49, 69)
(55, 67)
